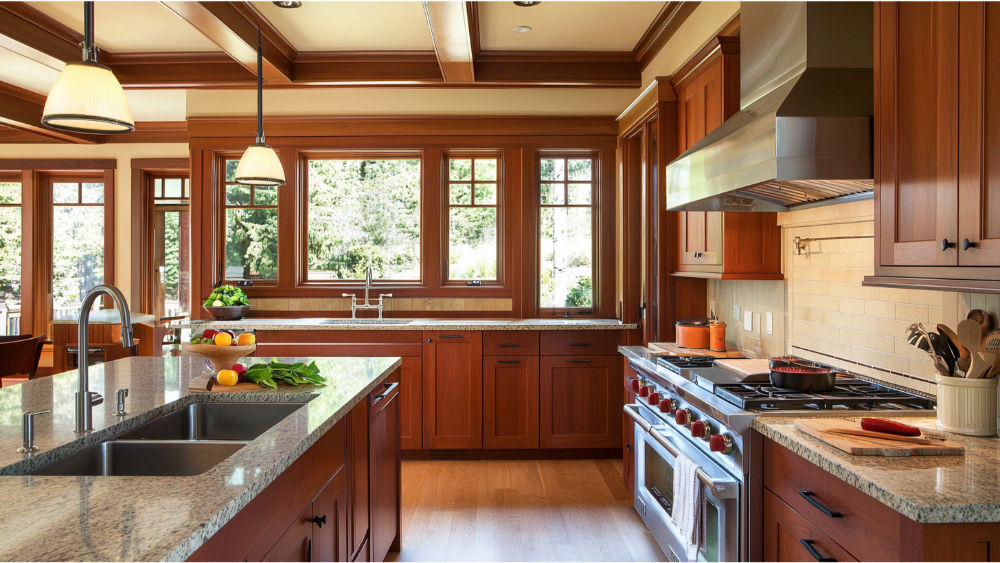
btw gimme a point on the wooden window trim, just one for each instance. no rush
(220, 226)
(598, 233)
(446, 206)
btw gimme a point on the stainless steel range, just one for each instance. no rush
(690, 405)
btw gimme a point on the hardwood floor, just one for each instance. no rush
(520, 511)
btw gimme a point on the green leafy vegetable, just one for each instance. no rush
(268, 375)
(229, 295)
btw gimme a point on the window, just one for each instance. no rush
(77, 242)
(251, 229)
(473, 189)
(361, 213)
(172, 241)
(10, 257)
(566, 228)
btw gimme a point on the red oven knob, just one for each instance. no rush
(721, 443)
(701, 429)
(666, 405)
(644, 391)
(681, 417)
(635, 385)
(654, 399)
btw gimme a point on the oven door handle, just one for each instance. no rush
(719, 488)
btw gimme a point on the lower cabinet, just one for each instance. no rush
(384, 474)
(790, 537)
(411, 426)
(510, 402)
(453, 389)
(357, 461)
(580, 400)
(330, 541)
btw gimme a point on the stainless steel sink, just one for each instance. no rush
(144, 458)
(214, 421)
(366, 321)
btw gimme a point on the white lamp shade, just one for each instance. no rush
(260, 167)
(87, 98)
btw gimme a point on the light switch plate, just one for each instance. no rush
(770, 322)
(756, 322)
(736, 314)
(747, 321)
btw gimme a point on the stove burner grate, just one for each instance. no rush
(849, 394)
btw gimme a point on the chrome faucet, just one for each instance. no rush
(86, 400)
(368, 304)
(28, 432)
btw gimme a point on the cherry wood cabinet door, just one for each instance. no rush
(790, 537)
(386, 492)
(917, 89)
(411, 404)
(330, 540)
(453, 390)
(296, 543)
(357, 460)
(701, 238)
(628, 431)
(580, 402)
(510, 402)
(979, 130)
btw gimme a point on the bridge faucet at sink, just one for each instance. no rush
(86, 400)
(368, 304)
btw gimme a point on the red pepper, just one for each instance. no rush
(889, 427)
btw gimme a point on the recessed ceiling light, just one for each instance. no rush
(522, 29)
(527, 3)
(288, 4)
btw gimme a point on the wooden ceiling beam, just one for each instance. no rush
(664, 26)
(22, 110)
(449, 24)
(233, 27)
(212, 69)
(559, 68)
(23, 24)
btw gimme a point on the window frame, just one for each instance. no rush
(302, 254)
(596, 231)
(16, 179)
(222, 219)
(446, 206)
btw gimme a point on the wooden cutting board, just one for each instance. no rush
(872, 443)
(199, 384)
(747, 367)
(672, 349)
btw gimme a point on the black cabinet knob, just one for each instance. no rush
(945, 245)
(967, 244)
(319, 520)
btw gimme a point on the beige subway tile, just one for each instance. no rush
(853, 306)
(880, 309)
(881, 359)
(935, 315)
(459, 304)
(479, 305)
(894, 328)
(470, 304)
(865, 324)
(922, 297)
(864, 292)
(911, 313)
(449, 304)
(491, 305)
(437, 304)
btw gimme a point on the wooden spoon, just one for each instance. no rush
(945, 330)
(988, 359)
(970, 335)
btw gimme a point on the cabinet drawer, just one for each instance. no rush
(510, 343)
(790, 537)
(870, 528)
(580, 342)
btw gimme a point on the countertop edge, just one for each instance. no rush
(231, 509)
(270, 324)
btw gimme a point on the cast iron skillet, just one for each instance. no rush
(801, 375)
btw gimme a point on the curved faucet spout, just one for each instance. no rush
(85, 399)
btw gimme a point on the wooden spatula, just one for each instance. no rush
(946, 331)
(970, 335)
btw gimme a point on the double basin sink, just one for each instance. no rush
(183, 443)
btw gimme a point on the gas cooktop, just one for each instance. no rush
(677, 363)
(848, 394)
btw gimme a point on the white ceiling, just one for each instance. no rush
(138, 27)
(23, 72)
(565, 26)
(351, 26)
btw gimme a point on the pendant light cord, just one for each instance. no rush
(260, 92)
(89, 51)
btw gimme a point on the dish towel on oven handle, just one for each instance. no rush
(688, 508)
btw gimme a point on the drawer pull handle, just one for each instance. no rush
(579, 344)
(628, 447)
(510, 345)
(450, 336)
(508, 361)
(579, 361)
(319, 521)
(808, 495)
(808, 544)
(388, 391)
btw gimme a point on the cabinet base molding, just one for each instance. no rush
(514, 455)
(964, 286)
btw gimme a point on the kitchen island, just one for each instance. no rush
(155, 518)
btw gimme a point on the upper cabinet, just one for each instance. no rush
(716, 244)
(937, 124)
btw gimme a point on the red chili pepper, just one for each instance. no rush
(889, 427)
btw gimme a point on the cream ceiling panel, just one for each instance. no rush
(26, 73)
(351, 26)
(131, 27)
(565, 26)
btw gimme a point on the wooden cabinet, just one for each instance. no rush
(510, 402)
(411, 408)
(357, 465)
(700, 239)
(580, 402)
(385, 479)
(296, 543)
(790, 537)
(453, 390)
(628, 432)
(330, 538)
(937, 139)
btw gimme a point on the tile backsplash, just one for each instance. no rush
(821, 311)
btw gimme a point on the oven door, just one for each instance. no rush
(657, 446)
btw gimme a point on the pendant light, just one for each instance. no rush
(260, 165)
(86, 97)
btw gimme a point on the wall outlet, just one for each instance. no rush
(769, 318)
(748, 321)
(756, 322)
(736, 314)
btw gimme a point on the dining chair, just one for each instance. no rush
(20, 357)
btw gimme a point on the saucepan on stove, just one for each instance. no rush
(801, 375)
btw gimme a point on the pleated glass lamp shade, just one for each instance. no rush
(87, 98)
(260, 166)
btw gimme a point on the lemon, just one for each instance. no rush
(245, 339)
(227, 377)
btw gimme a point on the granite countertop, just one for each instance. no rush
(411, 324)
(150, 518)
(927, 489)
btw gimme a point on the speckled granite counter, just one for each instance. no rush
(412, 324)
(928, 489)
(150, 518)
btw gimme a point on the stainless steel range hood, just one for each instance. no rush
(803, 137)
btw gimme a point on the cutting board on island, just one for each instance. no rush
(746, 366)
(199, 384)
(848, 436)
(672, 349)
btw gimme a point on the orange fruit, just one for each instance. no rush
(227, 377)
(223, 339)
(246, 339)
